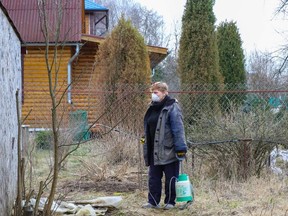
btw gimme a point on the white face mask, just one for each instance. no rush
(155, 98)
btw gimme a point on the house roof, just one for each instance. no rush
(10, 21)
(92, 6)
(25, 15)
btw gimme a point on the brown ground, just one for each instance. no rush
(108, 187)
(87, 179)
(265, 196)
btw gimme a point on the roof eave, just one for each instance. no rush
(161, 50)
(95, 10)
(156, 54)
(92, 38)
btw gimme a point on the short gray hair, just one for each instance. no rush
(160, 86)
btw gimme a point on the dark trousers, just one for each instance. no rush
(171, 172)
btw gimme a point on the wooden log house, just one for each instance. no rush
(83, 29)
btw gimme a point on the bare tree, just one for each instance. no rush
(52, 70)
(148, 22)
(169, 65)
(282, 8)
(281, 54)
(263, 70)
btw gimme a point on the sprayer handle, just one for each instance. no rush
(180, 156)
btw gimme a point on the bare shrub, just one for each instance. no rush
(94, 171)
(100, 172)
(113, 152)
(249, 139)
(120, 148)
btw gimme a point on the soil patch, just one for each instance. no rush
(108, 186)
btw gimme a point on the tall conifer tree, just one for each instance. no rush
(231, 55)
(124, 64)
(198, 62)
(232, 62)
(124, 57)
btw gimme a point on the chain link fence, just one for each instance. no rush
(230, 129)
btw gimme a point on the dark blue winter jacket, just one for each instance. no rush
(169, 135)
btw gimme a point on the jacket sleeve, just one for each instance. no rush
(177, 128)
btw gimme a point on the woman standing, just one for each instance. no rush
(164, 145)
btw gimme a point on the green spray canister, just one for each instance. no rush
(184, 189)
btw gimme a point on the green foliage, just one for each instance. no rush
(124, 56)
(125, 65)
(232, 62)
(231, 55)
(43, 140)
(198, 61)
(198, 53)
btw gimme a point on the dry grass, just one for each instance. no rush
(88, 174)
(257, 196)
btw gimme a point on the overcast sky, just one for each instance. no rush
(258, 27)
